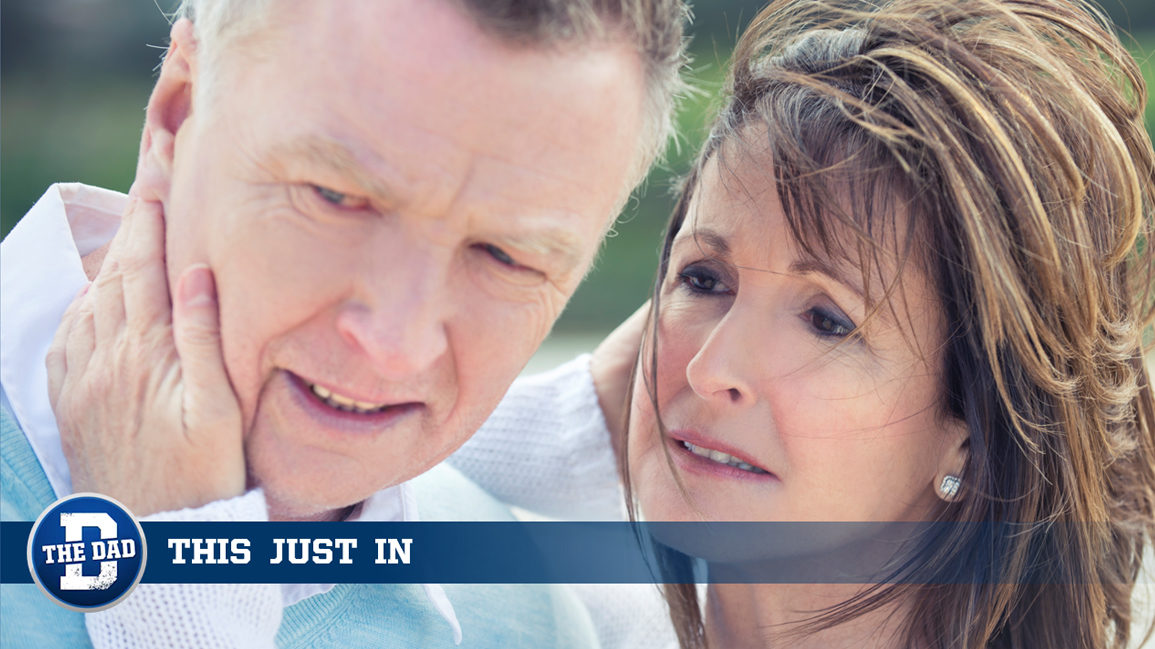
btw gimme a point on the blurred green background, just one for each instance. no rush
(75, 76)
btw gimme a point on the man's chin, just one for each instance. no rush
(291, 507)
(308, 472)
(315, 491)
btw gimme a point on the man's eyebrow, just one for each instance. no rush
(340, 159)
(820, 266)
(545, 241)
(548, 243)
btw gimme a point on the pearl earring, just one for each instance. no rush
(949, 487)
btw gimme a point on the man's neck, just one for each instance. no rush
(280, 513)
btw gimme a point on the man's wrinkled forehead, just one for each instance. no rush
(538, 27)
(267, 20)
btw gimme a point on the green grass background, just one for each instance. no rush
(74, 80)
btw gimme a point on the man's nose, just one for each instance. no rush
(398, 313)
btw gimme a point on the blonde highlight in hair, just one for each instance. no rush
(1010, 133)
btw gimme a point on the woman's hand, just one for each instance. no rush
(612, 366)
(139, 388)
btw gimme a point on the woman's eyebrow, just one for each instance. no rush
(711, 241)
(814, 265)
(706, 239)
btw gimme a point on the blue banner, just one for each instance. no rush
(556, 552)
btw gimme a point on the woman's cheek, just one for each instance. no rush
(642, 421)
(680, 337)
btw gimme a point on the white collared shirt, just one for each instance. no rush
(40, 274)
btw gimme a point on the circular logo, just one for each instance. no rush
(86, 552)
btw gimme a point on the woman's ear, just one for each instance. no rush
(169, 107)
(948, 480)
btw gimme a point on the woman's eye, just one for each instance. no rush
(828, 324)
(701, 280)
(339, 199)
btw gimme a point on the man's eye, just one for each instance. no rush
(340, 199)
(498, 265)
(498, 254)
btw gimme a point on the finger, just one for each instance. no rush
(123, 232)
(56, 361)
(209, 401)
(80, 344)
(57, 366)
(142, 265)
(107, 298)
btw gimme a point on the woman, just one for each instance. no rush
(907, 281)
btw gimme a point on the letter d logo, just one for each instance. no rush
(74, 524)
(68, 552)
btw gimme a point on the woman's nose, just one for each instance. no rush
(721, 369)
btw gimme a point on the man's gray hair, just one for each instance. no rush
(655, 28)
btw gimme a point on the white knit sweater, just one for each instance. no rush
(545, 449)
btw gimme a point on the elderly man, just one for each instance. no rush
(388, 203)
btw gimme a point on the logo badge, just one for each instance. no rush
(86, 552)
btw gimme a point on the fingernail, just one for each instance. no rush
(83, 291)
(197, 287)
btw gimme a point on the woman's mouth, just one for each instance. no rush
(721, 458)
(701, 454)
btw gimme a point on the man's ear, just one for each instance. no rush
(169, 107)
(953, 460)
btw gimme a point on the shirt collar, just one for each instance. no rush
(40, 274)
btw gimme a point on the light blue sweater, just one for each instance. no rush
(350, 615)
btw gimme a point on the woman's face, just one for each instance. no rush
(774, 413)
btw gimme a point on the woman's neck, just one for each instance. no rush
(749, 616)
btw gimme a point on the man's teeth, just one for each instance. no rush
(345, 403)
(722, 458)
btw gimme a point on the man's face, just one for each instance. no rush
(396, 208)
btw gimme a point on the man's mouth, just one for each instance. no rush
(351, 409)
(344, 403)
(721, 458)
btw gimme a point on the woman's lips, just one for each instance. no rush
(701, 454)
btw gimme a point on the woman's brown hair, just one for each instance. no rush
(1011, 133)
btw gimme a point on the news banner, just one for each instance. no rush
(87, 552)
